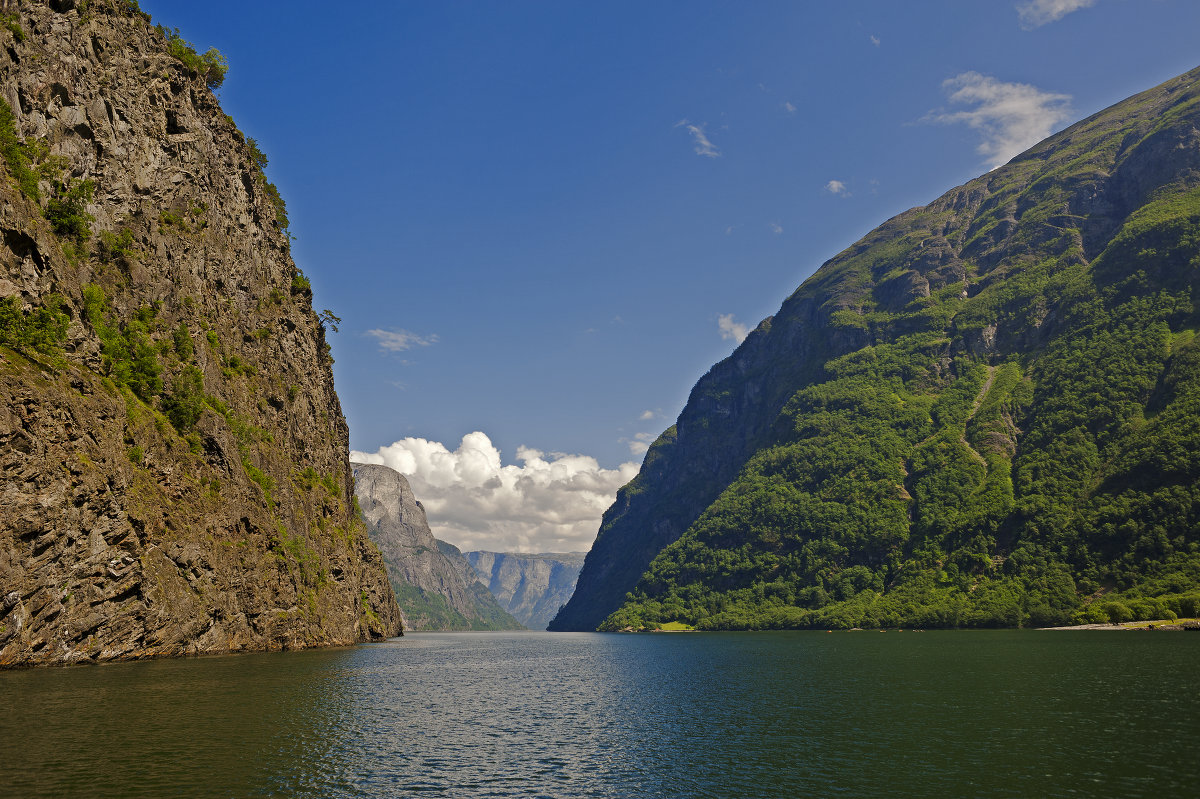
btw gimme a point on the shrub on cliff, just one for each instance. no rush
(211, 66)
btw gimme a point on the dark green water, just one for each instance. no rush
(938, 714)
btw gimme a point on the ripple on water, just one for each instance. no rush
(1016, 713)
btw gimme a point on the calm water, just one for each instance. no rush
(1006, 713)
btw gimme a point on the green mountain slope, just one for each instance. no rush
(984, 413)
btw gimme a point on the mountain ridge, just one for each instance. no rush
(939, 301)
(532, 587)
(436, 587)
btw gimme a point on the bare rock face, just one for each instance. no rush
(436, 587)
(530, 587)
(174, 473)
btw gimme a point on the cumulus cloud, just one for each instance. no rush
(700, 140)
(647, 415)
(401, 340)
(546, 503)
(640, 442)
(1011, 117)
(837, 188)
(1036, 13)
(731, 329)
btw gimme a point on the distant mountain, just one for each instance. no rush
(984, 413)
(435, 586)
(530, 587)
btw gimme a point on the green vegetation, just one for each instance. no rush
(273, 196)
(66, 209)
(13, 24)
(129, 357)
(42, 329)
(16, 154)
(430, 611)
(1025, 453)
(211, 66)
(118, 248)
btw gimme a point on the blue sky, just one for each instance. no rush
(544, 221)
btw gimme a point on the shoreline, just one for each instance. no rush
(1158, 624)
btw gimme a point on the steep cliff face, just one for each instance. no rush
(174, 456)
(435, 586)
(981, 413)
(530, 587)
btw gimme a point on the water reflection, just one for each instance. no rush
(807, 714)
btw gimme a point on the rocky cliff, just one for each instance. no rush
(436, 588)
(982, 413)
(530, 587)
(174, 456)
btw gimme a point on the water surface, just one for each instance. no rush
(967, 713)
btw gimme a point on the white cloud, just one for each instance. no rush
(1036, 13)
(775, 228)
(640, 442)
(647, 416)
(1011, 117)
(401, 340)
(789, 108)
(875, 40)
(702, 145)
(731, 329)
(837, 188)
(548, 503)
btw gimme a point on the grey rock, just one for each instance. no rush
(84, 529)
(530, 587)
(396, 522)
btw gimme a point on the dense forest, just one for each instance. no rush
(992, 417)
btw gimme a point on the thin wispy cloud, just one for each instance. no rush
(401, 340)
(730, 329)
(1036, 13)
(775, 228)
(647, 416)
(875, 40)
(1011, 117)
(788, 108)
(547, 502)
(837, 188)
(700, 141)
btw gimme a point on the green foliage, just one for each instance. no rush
(993, 458)
(327, 319)
(42, 329)
(269, 189)
(128, 355)
(182, 339)
(16, 154)
(431, 611)
(300, 283)
(13, 23)
(118, 248)
(211, 66)
(262, 480)
(67, 209)
(185, 403)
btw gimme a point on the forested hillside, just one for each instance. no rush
(984, 413)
